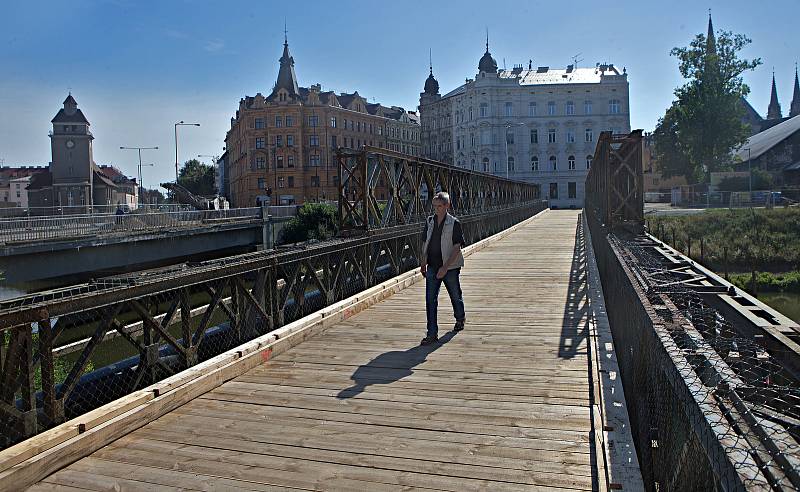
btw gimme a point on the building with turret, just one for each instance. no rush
(73, 182)
(281, 148)
(536, 124)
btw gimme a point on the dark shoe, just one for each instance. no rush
(429, 340)
(459, 326)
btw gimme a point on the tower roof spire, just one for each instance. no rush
(794, 109)
(431, 85)
(711, 39)
(487, 63)
(286, 77)
(774, 110)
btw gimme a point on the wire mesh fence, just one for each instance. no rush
(71, 350)
(712, 406)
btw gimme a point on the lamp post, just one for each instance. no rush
(140, 149)
(508, 126)
(750, 174)
(180, 123)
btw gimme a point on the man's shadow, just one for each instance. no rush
(390, 367)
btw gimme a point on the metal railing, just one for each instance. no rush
(713, 392)
(33, 228)
(67, 351)
(13, 212)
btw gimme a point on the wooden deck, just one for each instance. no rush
(503, 405)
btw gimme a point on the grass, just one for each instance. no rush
(765, 241)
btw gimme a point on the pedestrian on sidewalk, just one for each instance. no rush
(441, 262)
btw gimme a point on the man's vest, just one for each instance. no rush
(447, 240)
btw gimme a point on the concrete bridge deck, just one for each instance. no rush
(506, 404)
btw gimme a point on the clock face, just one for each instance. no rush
(70, 144)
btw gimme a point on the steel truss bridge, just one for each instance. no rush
(669, 379)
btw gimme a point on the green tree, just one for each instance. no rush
(704, 124)
(197, 178)
(313, 221)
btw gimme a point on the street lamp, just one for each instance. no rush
(508, 126)
(180, 123)
(750, 173)
(140, 149)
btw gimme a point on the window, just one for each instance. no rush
(313, 121)
(472, 140)
(315, 181)
(551, 108)
(279, 140)
(486, 137)
(280, 182)
(278, 121)
(551, 135)
(344, 121)
(260, 142)
(333, 121)
(572, 189)
(510, 164)
(279, 163)
(261, 183)
(587, 107)
(259, 123)
(553, 163)
(509, 137)
(290, 161)
(290, 140)
(291, 181)
(470, 113)
(613, 106)
(289, 121)
(333, 141)
(314, 161)
(535, 163)
(486, 164)
(313, 140)
(589, 135)
(509, 109)
(358, 125)
(484, 110)
(532, 109)
(352, 125)
(534, 136)
(569, 108)
(588, 162)
(261, 162)
(554, 190)
(570, 136)
(571, 162)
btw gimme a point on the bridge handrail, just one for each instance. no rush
(713, 396)
(36, 228)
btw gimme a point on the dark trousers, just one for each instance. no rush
(432, 286)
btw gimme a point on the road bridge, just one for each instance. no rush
(36, 248)
(595, 357)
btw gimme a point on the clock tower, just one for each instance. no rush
(72, 167)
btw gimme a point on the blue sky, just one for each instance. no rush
(137, 67)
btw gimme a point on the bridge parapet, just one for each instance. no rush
(48, 228)
(71, 350)
(713, 396)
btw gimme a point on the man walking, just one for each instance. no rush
(441, 262)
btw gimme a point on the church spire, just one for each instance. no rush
(711, 39)
(286, 77)
(774, 110)
(794, 109)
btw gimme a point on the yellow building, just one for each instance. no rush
(281, 148)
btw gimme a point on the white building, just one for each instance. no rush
(537, 124)
(17, 191)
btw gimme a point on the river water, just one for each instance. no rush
(788, 303)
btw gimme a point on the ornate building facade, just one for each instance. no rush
(537, 124)
(281, 148)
